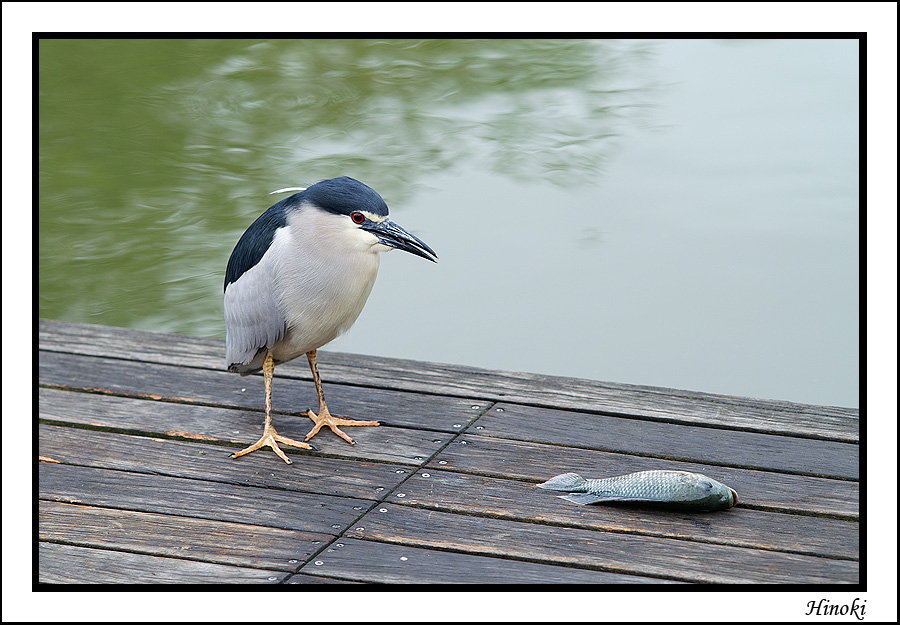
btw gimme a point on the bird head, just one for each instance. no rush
(365, 214)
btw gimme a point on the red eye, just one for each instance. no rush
(357, 218)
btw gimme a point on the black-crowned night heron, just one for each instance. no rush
(299, 277)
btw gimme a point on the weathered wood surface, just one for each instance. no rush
(486, 496)
(188, 538)
(609, 551)
(798, 494)
(721, 411)
(384, 562)
(138, 485)
(70, 564)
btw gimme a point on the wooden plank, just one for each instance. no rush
(220, 388)
(514, 500)
(682, 560)
(240, 427)
(536, 462)
(770, 416)
(368, 561)
(309, 472)
(199, 499)
(145, 470)
(70, 564)
(129, 343)
(734, 448)
(238, 544)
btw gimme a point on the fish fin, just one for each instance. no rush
(583, 498)
(565, 482)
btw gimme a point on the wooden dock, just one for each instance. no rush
(137, 485)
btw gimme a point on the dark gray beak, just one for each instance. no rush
(392, 235)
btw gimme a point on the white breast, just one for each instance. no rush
(325, 270)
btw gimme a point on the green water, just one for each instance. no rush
(571, 243)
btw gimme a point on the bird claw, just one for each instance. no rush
(271, 438)
(333, 421)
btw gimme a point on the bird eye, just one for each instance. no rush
(357, 218)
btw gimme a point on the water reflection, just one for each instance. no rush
(154, 155)
(391, 111)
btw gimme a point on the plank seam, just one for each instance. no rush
(54, 541)
(612, 414)
(570, 565)
(388, 492)
(649, 534)
(674, 458)
(447, 369)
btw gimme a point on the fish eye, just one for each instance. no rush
(357, 217)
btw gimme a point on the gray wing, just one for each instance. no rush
(253, 322)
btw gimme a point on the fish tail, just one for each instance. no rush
(570, 482)
(583, 498)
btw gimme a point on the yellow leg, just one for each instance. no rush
(270, 437)
(324, 417)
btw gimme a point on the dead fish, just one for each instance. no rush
(668, 489)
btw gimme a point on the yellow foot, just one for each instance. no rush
(271, 438)
(333, 421)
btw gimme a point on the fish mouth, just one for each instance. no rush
(734, 498)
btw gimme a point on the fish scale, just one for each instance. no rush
(673, 489)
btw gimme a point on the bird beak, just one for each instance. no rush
(392, 235)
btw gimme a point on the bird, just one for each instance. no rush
(299, 277)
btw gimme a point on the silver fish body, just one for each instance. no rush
(670, 489)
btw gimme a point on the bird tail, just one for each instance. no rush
(567, 482)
